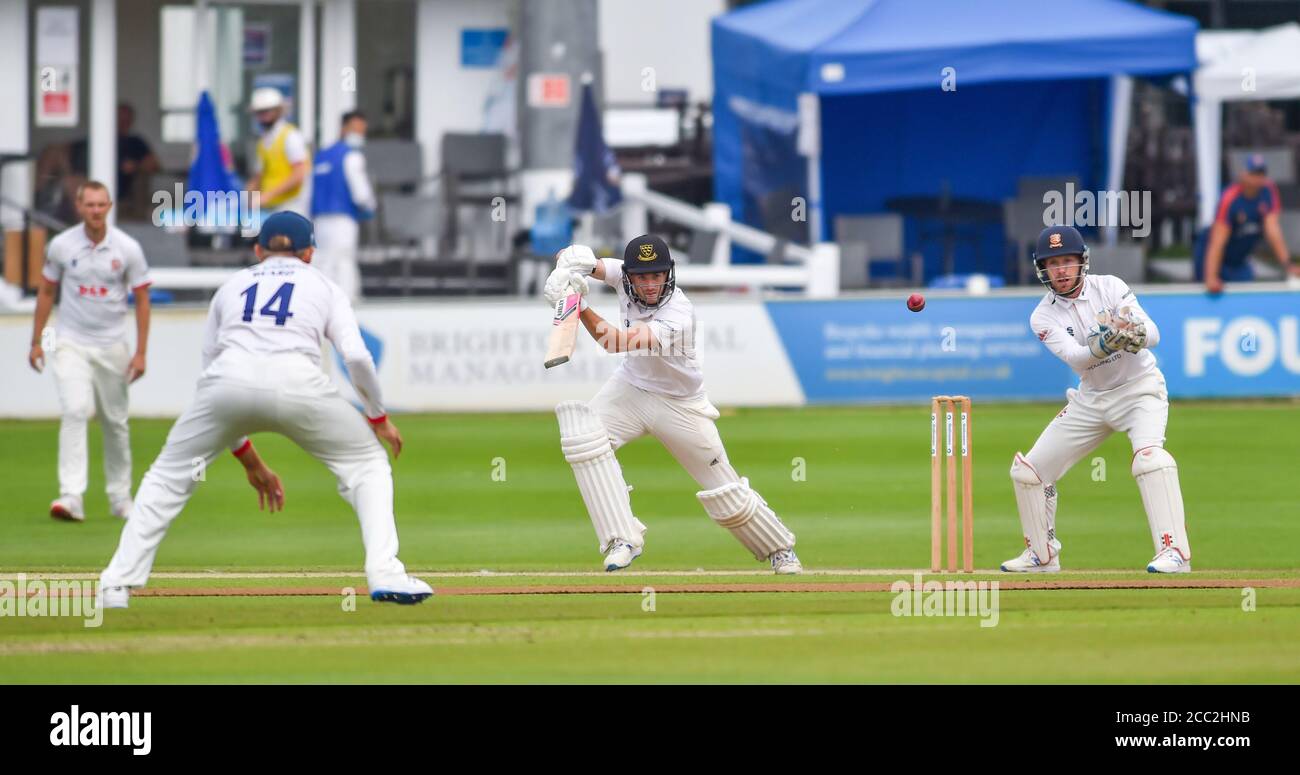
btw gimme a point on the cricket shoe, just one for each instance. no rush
(407, 590)
(1169, 561)
(112, 597)
(620, 555)
(68, 508)
(121, 508)
(1028, 561)
(785, 563)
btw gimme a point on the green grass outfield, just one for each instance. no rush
(492, 492)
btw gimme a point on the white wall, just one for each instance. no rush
(446, 356)
(14, 93)
(450, 98)
(672, 36)
(43, 136)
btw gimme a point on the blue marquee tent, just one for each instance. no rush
(917, 96)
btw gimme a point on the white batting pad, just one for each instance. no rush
(748, 517)
(586, 446)
(1037, 506)
(1157, 480)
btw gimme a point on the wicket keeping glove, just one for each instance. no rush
(1104, 341)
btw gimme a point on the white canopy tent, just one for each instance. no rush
(1231, 63)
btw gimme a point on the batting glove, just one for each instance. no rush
(577, 258)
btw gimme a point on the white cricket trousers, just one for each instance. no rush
(1139, 408)
(239, 395)
(336, 252)
(89, 378)
(685, 426)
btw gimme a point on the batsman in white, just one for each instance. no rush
(1095, 324)
(262, 372)
(657, 390)
(95, 267)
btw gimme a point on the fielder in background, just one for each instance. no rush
(262, 372)
(657, 390)
(282, 162)
(341, 197)
(1095, 324)
(1248, 209)
(94, 266)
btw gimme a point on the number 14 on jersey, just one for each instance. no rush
(275, 307)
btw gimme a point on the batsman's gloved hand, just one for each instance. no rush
(561, 283)
(576, 258)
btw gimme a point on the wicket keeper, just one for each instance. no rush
(1095, 324)
(657, 390)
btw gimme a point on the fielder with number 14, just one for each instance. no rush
(262, 373)
(1095, 324)
(657, 390)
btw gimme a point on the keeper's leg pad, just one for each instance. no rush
(1037, 506)
(748, 517)
(586, 446)
(1157, 479)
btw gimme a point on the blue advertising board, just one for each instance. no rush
(875, 350)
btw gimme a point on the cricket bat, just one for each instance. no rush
(564, 330)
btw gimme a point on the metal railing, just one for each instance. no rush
(815, 269)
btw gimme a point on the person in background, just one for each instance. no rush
(63, 168)
(341, 197)
(95, 267)
(136, 164)
(1248, 209)
(282, 159)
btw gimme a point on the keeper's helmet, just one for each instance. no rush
(644, 255)
(1060, 241)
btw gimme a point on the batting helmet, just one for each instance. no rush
(644, 255)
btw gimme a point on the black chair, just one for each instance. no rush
(475, 175)
(161, 247)
(394, 164)
(864, 239)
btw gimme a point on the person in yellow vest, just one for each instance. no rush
(283, 163)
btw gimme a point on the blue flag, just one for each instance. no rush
(209, 172)
(595, 173)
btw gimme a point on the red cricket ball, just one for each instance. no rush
(916, 302)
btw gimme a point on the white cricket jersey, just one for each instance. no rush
(673, 368)
(94, 281)
(283, 306)
(1063, 325)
